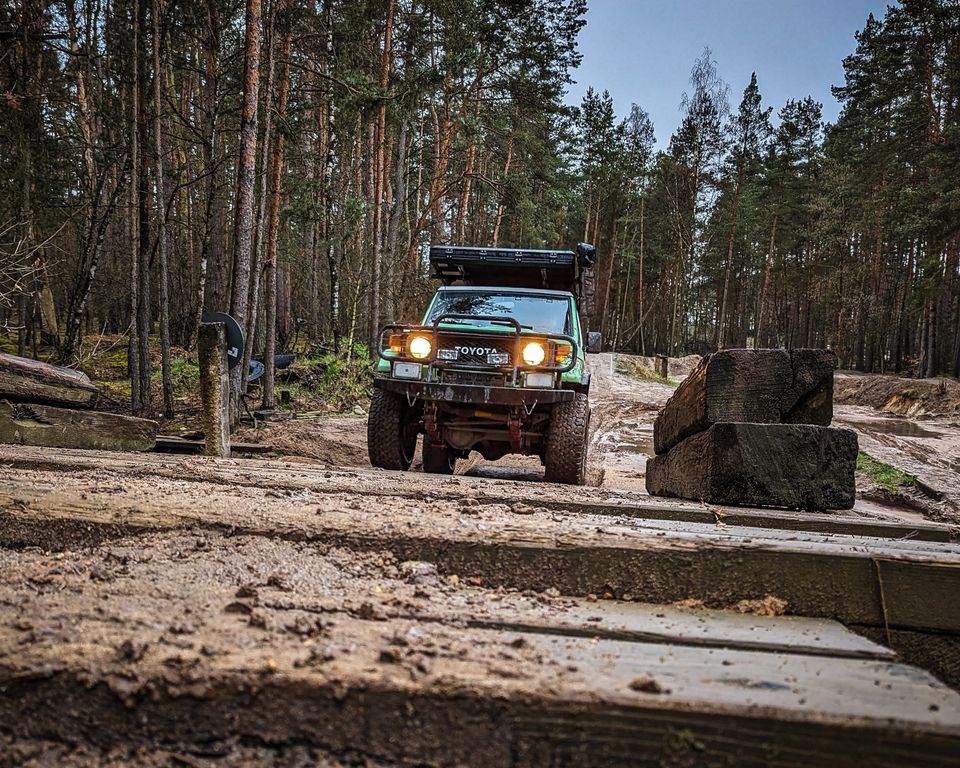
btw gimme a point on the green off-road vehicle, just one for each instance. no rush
(497, 366)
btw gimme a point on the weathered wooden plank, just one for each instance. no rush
(306, 476)
(796, 466)
(920, 594)
(619, 620)
(749, 385)
(667, 624)
(780, 519)
(549, 700)
(49, 426)
(33, 381)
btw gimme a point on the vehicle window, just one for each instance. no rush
(541, 313)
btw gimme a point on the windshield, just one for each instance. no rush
(546, 314)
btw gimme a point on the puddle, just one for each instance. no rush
(898, 427)
(645, 447)
(624, 442)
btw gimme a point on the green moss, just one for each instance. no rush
(8, 344)
(184, 373)
(887, 477)
(118, 360)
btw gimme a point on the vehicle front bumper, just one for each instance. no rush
(474, 394)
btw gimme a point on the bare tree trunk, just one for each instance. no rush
(29, 31)
(608, 279)
(379, 173)
(144, 315)
(640, 317)
(762, 303)
(133, 349)
(393, 226)
(246, 172)
(276, 175)
(930, 369)
(211, 289)
(161, 234)
(500, 206)
(254, 329)
(720, 334)
(328, 136)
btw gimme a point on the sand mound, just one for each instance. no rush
(898, 396)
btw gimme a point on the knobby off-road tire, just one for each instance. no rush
(391, 437)
(438, 460)
(567, 442)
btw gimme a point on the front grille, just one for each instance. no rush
(473, 350)
(448, 376)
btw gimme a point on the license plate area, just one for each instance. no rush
(407, 370)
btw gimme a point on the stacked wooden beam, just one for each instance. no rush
(752, 427)
(48, 405)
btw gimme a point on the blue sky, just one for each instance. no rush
(642, 50)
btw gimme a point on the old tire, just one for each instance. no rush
(391, 431)
(567, 442)
(438, 460)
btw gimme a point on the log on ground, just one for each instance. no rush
(31, 380)
(47, 426)
(795, 466)
(764, 386)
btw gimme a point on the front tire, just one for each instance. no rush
(568, 438)
(391, 431)
(438, 460)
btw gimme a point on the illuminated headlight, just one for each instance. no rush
(420, 347)
(407, 370)
(498, 358)
(447, 354)
(534, 353)
(539, 380)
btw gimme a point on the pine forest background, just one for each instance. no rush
(287, 161)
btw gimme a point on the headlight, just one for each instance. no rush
(533, 353)
(420, 347)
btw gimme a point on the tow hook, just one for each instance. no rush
(513, 425)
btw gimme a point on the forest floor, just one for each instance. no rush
(310, 610)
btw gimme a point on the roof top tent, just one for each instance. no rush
(511, 267)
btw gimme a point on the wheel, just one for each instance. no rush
(391, 431)
(440, 460)
(567, 442)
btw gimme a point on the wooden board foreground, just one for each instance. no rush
(301, 476)
(200, 637)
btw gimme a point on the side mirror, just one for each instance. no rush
(594, 342)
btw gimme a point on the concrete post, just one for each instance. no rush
(214, 388)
